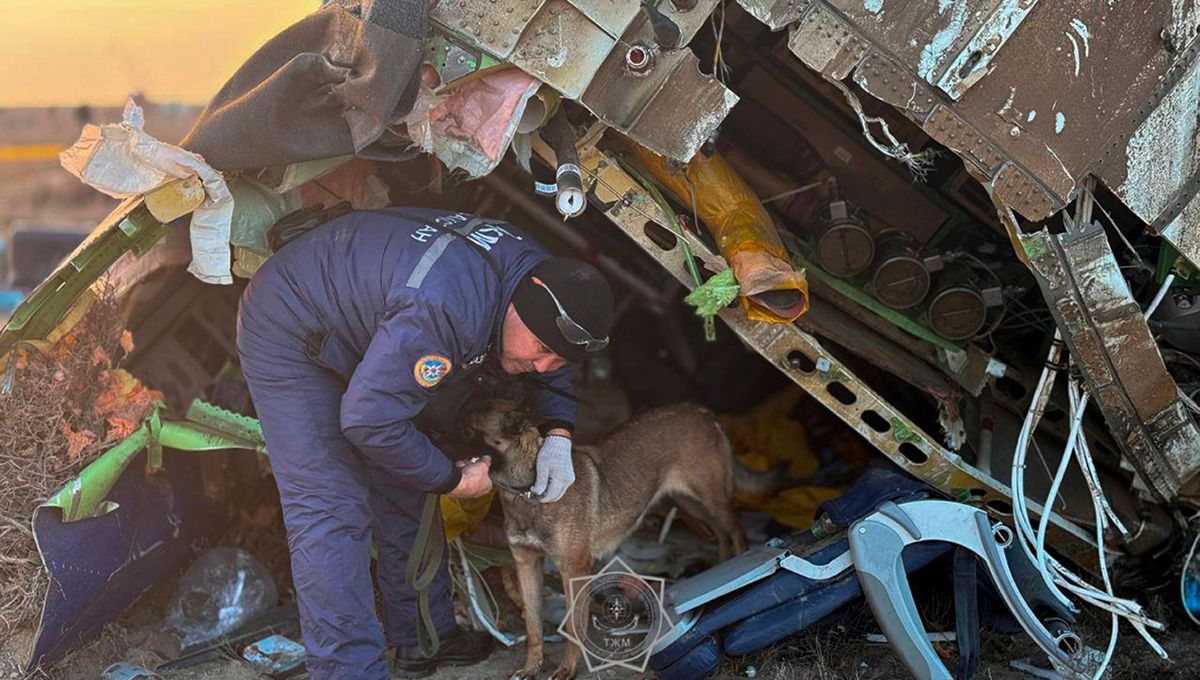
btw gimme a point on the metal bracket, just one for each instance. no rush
(233, 425)
(1107, 334)
(877, 542)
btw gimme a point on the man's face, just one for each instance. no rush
(522, 351)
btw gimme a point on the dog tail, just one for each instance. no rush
(731, 464)
(742, 479)
(759, 482)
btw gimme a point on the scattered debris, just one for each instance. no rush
(276, 654)
(929, 289)
(124, 670)
(223, 589)
(282, 620)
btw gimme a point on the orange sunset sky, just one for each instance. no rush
(68, 52)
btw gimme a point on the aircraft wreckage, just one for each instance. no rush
(933, 209)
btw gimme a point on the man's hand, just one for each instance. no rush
(475, 481)
(555, 472)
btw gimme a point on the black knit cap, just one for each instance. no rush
(581, 290)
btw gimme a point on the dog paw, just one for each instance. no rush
(525, 674)
(563, 673)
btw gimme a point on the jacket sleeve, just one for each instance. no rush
(410, 353)
(557, 409)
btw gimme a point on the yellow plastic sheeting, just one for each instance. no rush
(767, 437)
(797, 507)
(460, 515)
(743, 228)
(30, 152)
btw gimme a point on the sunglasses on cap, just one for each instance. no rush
(573, 332)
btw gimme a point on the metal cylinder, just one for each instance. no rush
(1065, 637)
(900, 280)
(844, 247)
(569, 197)
(957, 310)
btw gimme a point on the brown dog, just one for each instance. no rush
(679, 452)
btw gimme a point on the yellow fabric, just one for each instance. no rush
(768, 436)
(797, 507)
(460, 515)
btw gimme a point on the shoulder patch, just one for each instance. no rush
(430, 369)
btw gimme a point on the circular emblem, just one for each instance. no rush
(616, 617)
(429, 370)
(618, 610)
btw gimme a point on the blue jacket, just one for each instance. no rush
(394, 307)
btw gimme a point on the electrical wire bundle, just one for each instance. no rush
(1058, 577)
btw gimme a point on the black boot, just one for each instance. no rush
(459, 647)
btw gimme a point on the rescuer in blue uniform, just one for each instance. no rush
(346, 336)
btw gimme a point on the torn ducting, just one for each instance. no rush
(772, 290)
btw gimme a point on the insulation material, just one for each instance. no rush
(743, 229)
(122, 160)
(472, 126)
(291, 176)
(331, 84)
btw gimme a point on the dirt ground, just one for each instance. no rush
(833, 650)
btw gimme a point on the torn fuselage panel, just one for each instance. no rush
(606, 56)
(971, 60)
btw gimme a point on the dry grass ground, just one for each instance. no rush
(45, 425)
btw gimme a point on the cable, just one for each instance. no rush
(1162, 293)
(793, 192)
(484, 619)
(1057, 577)
(1100, 507)
(1183, 577)
(1063, 464)
(1113, 224)
(919, 163)
(1037, 406)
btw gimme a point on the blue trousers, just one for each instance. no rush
(334, 503)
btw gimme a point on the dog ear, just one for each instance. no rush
(516, 421)
(501, 405)
(512, 423)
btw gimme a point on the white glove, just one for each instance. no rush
(555, 473)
